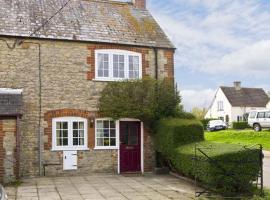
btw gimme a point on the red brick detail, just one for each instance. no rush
(70, 113)
(93, 47)
(2, 152)
(140, 4)
(169, 67)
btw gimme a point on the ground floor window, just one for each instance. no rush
(69, 133)
(105, 132)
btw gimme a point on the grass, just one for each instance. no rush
(243, 137)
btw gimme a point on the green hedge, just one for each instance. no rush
(172, 132)
(205, 122)
(240, 125)
(175, 140)
(212, 174)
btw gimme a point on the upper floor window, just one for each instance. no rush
(220, 106)
(69, 133)
(117, 65)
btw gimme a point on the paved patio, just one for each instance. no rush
(100, 187)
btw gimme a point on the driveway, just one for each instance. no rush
(100, 187)
(266, 169)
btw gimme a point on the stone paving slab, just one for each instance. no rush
(103, 187)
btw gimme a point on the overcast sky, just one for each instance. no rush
(218, 42)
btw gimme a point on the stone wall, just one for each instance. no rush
(66, 84)
(8, 168)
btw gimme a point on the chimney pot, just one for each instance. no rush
(139, 4)
(237, 85)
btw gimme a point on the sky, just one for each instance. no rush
(218, 42)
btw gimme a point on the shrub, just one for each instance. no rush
(240, 125)
(175, 140)
(205, 122)
(172, 132)
(233, 173)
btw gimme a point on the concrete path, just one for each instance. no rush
(100, 187)
(266, 169)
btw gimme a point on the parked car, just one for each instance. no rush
(259, 119)
(3, 194)
(216, 125)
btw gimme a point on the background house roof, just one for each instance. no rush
(246, 97)
(10, 102)
(82, 20)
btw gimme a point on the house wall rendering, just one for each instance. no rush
(68, 88)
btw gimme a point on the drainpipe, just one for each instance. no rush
(156, 62)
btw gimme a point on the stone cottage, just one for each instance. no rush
(55, 58)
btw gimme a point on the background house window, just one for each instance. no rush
(69, 133)
(105, 133)
(220, 106)
(115, 65)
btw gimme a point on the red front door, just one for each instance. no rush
(130, 147)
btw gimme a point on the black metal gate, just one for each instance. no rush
(205, 189)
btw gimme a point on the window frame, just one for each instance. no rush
(220, 106)
(112, 52)
(116, 135)
(70, 145)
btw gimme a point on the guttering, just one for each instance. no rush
(87, 41)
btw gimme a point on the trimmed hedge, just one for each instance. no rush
(230, 169)
(175, 140)
(240, 125)
(173, 132)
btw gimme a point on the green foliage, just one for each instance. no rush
(184, 115)
(146, 99)
(175, 141)
(243, 137)
(199, 113)
(240, 125)
(173, 132)
(230, 169)
(205, 122)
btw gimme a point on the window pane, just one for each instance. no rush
(261, 115)
(113, 142)
(99, 124)
(75, 125)
(75, 133)
(100, 142)
(81, 133)
(112, 124)
(112, 133)
(100, 133)
(106, 133)
(75, 141)
(267, 115)
(65, 133)
(81, 125)
(133, 67)
(106, 142)
(81, 141)
(65, 125)
(106, 124)
(65, 142)
(106, 73)
(59, 142)
(103, 65)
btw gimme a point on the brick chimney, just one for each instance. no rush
(237, 85)
(139, 4)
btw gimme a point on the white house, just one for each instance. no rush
(232, 103)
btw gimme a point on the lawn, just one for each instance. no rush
(243, 137)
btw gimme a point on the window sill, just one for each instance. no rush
(106, 148)
(114, 80)
(70, 149)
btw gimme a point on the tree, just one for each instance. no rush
(147, 99)
(199, 113)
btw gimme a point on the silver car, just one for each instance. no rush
(3, 194)
(259, 119)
